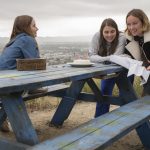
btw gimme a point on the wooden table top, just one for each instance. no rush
(15, 81)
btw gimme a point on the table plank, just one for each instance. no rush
(49, 78)
(14, 74)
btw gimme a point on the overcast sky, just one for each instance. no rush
(68, 17)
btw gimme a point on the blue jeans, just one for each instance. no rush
(106, 89)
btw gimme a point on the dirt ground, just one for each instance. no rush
(82, 112)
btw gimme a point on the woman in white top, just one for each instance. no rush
(108, 41)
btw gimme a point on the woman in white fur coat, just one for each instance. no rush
(138, 40)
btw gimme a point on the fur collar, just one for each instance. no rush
(146, 37)
(133, 46)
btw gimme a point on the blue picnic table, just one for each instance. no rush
(13, 83)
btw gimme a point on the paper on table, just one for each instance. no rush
(134, 66)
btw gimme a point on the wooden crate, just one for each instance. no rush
(31, 64)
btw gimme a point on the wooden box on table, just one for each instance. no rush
(31, 64)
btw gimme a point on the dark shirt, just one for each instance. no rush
(139, 39)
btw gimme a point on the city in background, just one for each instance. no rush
(59, 50)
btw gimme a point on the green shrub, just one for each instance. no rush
(137, 87)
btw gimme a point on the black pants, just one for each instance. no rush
(146, 90)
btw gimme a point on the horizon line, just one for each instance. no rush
(56, 36)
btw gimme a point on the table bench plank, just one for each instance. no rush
(12, 145)
(58, 90)
(102, 131)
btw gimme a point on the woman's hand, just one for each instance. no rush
(148, 68)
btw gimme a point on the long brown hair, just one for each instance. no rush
(102, 42)
(22, 25)
(138, 13)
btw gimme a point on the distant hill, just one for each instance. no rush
(3, 41)
(49, 40)
(57, 39)
(64, 39)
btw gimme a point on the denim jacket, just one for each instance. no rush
(22, 46)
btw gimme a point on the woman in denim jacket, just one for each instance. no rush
(22, 43)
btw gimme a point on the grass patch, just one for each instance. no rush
(42, 103)
(137, 87)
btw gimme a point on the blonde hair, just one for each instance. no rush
(138, 13)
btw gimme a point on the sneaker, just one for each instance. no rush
(38, 91)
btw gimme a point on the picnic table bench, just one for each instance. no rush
(13, 82)
(100, 132)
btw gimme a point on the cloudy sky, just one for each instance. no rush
(68, 17)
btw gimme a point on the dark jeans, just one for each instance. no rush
(106, 89)
(146, 86)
